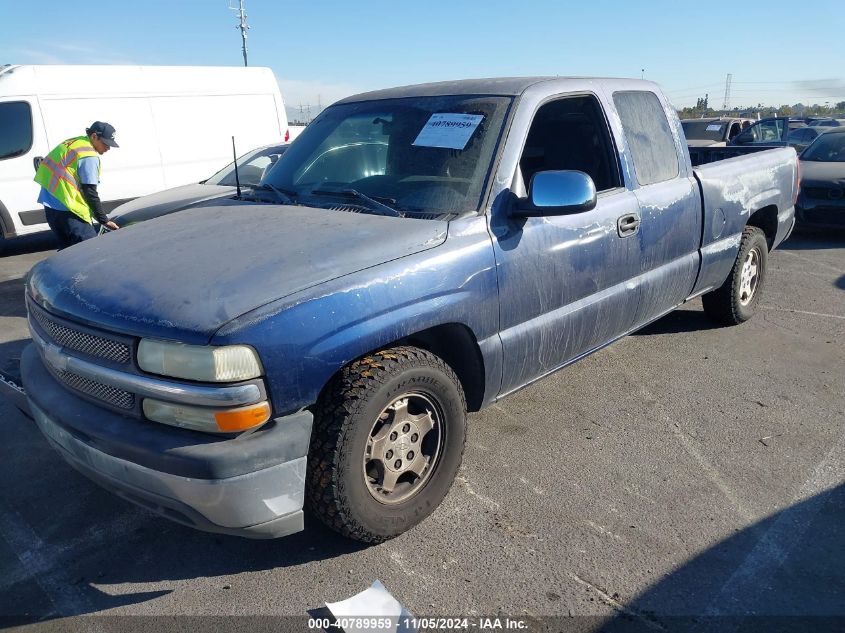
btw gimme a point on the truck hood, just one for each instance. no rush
(167, 201)
(185, 275)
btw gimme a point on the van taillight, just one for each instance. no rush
(287, 135)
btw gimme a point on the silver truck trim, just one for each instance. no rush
(180, 393)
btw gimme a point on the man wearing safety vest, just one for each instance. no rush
(69, 176)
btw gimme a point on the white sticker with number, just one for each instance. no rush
(714, 128)
(447, 130)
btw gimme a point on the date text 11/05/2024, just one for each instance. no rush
(414, 624)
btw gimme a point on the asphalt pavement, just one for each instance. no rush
(688, 474)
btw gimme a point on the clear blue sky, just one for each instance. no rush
(778, 52)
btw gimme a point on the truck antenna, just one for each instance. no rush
(237, 177)
(242, 25)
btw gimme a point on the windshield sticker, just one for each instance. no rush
(714, 128)
(450, 131)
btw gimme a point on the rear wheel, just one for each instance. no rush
(388, 440)
(736, 300)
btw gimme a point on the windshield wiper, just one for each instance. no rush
(375, 205)
(285, 197)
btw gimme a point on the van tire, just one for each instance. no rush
(388, 440)
(736, 300)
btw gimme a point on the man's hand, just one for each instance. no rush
(111, 225)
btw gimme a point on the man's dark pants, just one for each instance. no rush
(68, 227)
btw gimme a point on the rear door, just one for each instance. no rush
(669, 233)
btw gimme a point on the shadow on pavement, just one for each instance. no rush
(678, 321)
(783, 573)
(11, 298)
(809, 239)
(42, 241)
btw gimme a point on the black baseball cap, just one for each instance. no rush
(104, 131)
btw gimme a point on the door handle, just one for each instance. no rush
(628, 225)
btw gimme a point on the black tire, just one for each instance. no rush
(735, 301)
(356, 418)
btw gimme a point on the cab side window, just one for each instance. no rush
(571, 134)
(649, 137)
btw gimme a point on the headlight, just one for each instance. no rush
(207, 420)
(202, 363)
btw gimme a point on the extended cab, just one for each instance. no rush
(319, 340)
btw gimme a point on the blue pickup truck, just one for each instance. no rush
(316, 341)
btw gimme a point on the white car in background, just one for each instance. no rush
(251, 168)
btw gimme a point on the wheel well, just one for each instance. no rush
(6, 225)
(455, 344)
(766, 219)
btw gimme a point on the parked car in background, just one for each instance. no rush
(711, 131)
(770, 132)
(821, 201)
(801, 138)
(174, 125)
(827, 122)
(251, 167)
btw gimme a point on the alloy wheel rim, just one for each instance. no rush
(749, 277)
(403, 448)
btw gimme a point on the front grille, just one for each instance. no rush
(84, 342)
(111, 395)
(824, 193)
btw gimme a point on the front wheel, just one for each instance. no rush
(389, 433)
(736, 300)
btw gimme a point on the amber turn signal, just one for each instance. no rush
(242, 419)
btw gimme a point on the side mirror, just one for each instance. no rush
(557, 193)
(741, 139)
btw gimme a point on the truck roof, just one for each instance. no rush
(503, 86)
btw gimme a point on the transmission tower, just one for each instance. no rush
(242, 25)
(727, 104)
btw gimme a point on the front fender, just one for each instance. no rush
(304, 339)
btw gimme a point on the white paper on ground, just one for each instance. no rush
(375, 602)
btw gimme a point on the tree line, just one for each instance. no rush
(702, 109)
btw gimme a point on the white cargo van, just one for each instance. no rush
(174, 126)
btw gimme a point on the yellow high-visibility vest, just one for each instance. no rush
(57, 174)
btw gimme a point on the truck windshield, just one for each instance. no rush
(422, 156)
(704, 130)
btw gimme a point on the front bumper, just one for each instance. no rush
(251, 485)
(821, 214)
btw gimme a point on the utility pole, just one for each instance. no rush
(242, 25)
(727, 102)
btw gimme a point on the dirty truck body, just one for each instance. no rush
(383, 293)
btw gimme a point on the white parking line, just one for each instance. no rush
(39, 560)
(747, 585)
